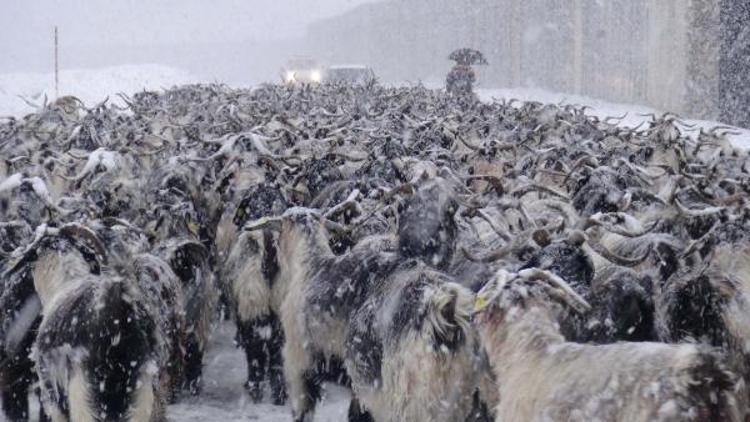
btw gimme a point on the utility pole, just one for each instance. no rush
(57, 68)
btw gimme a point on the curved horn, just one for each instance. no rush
(697, 213)
(524, 190)
(630, 227)
(261, 223)
(616, 259)
(561, 289)
(349, 203)
(88, 236)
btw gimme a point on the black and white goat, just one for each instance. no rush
(250, 279)
(20, 309)
(128, 252)
(189, 260)
(708, 298)
(175, 231)
(402, 329)
(98, 350)
(427, 228)
(543, 377)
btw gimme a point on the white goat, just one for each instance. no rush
(543, 377)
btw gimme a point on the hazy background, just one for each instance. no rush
(687, 56)
(236, 41)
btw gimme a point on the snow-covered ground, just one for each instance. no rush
(224, 398)
(90, 85)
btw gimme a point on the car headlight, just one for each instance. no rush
(315, 76)
(289, 76)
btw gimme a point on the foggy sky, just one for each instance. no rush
(106, 27)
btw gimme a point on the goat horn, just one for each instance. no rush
(89, 237)
(616, 259)
(403, 188)
(494, 181)
(336, 227)
(697, 213)
(260, 223)
(561, 288)
(598, 220)
(349, 203)
(346, 157)
(619, 119)
(524, 190)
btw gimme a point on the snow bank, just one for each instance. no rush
(634, 113)
(90, 85)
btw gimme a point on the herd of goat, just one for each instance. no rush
(447, 259)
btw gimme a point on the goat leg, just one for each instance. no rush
(251, 339)
(276, 362)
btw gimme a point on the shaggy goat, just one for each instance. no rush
(427, 228)
(377, 314)
(543, 377)
(250, 281)
(97, 349)
(708, 299)
(21, 314)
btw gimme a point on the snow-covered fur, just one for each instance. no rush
(381, 318)
(622, 309)
(542, 377)
(20, 312)
(254, 291)
(189, 260)
(426, 227)
(161, 291)
(20, 315)
(708, 299)
(411, 351)
(97, 351)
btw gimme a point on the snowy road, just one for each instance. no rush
(224, 398)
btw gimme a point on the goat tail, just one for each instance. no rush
(450, 307)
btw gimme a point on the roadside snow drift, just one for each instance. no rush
(90, 85)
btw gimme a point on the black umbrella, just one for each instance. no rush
(468, 56)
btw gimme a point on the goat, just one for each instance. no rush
(21, 314)
(367, 308)
(708, 298)
(541, 376)
(98, 350)
(189, 260)
(251, 284)
(427, 228)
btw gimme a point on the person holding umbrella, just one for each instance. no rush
(460, 80)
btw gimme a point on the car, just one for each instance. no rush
(350, 74)
(302, 70)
